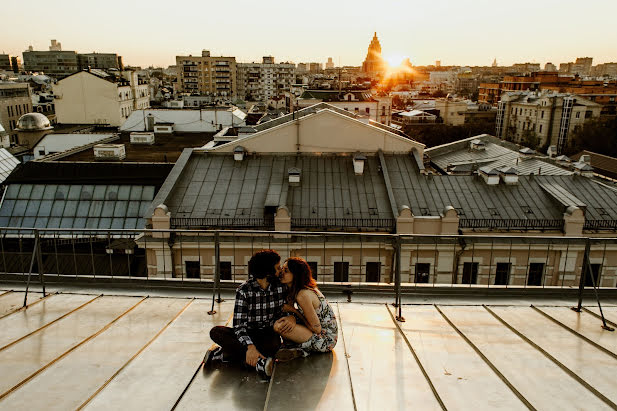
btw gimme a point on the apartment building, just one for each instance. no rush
(97, 97)
(5, 62)
(60, 63)
(262, 81)
(546, 115)
(15, 101)
(207, 75)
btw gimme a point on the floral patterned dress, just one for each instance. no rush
(326, 339)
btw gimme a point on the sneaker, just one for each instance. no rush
(288, 354)
(213, 354)
(265, 367)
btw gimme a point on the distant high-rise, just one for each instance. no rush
(207, 75)
(438, 63)
(374, 63)
(494, 62)
(59, 63)
(55, 46)
(329, 63)
(550, 67)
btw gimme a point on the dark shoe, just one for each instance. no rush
(288, 354)
(265, 368)
(213, 354)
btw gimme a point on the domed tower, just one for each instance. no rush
(373, 63)
(31, 128)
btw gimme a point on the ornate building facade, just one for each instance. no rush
(374, 63)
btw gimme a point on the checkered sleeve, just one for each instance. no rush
(241, 315)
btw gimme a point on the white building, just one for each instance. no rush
(97, 97)
(261, 81)
(57, 143)
(208, 120)
(360, 102)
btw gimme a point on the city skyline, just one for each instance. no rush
(456, 34)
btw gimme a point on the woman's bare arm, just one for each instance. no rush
(291, 309)
(306, 303)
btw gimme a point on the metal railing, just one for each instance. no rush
(393, 264)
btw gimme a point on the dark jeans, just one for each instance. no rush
(267, 342)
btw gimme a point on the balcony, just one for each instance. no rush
(111, 331)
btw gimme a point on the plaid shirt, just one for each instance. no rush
(257, 308)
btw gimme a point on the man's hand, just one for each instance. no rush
(285, 324)
(252, 355)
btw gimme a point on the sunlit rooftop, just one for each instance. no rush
(113, 348)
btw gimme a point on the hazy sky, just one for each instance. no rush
(471, 32)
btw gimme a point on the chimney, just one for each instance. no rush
(149, 122)
(239, 153)
(490, 175)
(294, 176)
(477, 145)
(509, 175)
(585, 158)
(358, 163)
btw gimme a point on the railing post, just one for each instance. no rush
(397, 278)
(217, 271)
(581, 284)
(35, 250)
(39, 259)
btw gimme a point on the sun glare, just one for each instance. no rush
(394, 60)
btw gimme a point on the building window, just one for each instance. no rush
(368, 110)
(540, 129)
(536, 272)
(542, 114)
(578, 114)
(373, 270)
(595, 276)
(225, 270)
(502, 274)
(313, 265)
(192, 269)
(422, 272)
(341, 271)
(470, 273)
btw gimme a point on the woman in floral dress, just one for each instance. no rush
(319, 332)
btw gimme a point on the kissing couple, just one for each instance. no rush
(276, 301)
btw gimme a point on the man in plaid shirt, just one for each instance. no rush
(259, 303)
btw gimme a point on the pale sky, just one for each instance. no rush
(457, 32)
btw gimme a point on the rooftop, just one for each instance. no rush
(166, 148)
(90, 348)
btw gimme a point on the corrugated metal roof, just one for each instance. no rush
(495, 156)
(217, 186)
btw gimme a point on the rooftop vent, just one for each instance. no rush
(164, 128)
(526, 152)
(585, 158)
(239, 153)
(509, 175)
(477, 145)
(294, 176)
(583, 169)
(358, 164)
(139, 137)
(563, 160)
(552, 151)
(109, 152)
(490, 175)
(149, 122)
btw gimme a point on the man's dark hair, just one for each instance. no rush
(261, 264)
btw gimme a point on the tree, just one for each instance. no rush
(599, 136)
(530, 139)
